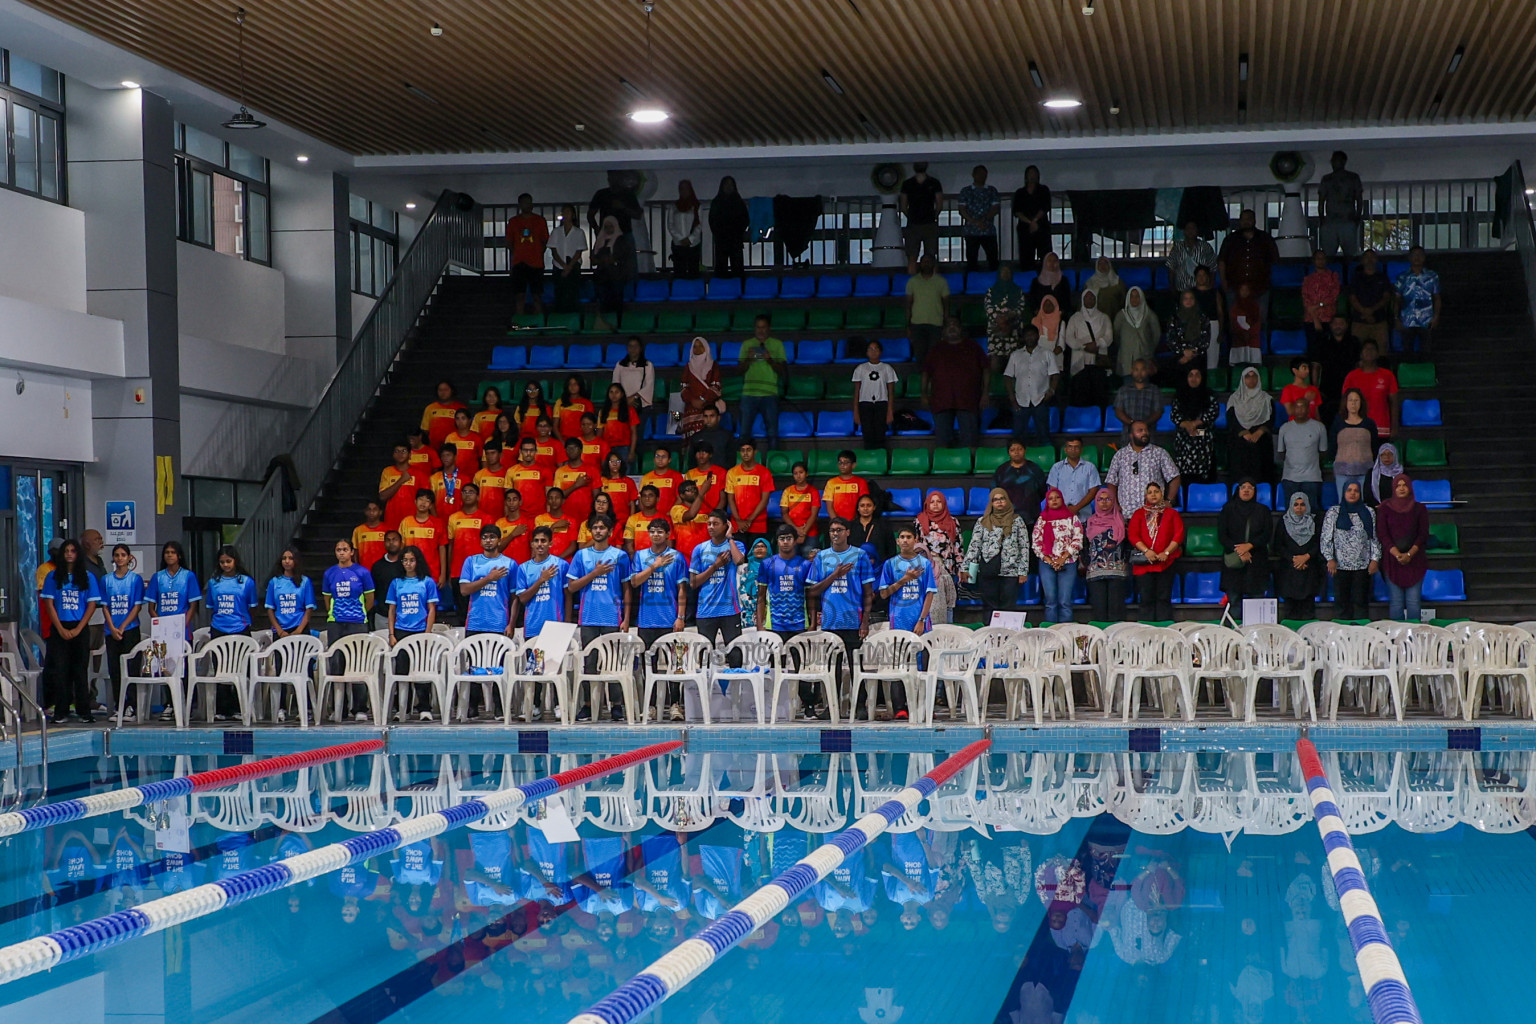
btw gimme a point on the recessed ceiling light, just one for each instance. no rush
(410, 206)
(1530, 191)
(130, 85)
(1063, 103)
(648, 115)
(301, 158)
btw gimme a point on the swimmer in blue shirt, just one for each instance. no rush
(597, 576)
(907, 582)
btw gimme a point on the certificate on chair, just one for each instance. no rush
(1260, 611)
(553, 640)
(170, 630)
(1008, 620)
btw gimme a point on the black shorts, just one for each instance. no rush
(527, 278)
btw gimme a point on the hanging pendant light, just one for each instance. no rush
(243, 120)
(646, 112)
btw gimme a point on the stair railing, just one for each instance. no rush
(1524, 225)
(450, 238)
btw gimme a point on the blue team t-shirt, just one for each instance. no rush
(717, 594)
(230, 600)
(488, 606)
(658, 594)
(289, 600)
(907, 603)
(842, 603)
(345, 586)
(69, 601)
(548, 604)
(602, 599)
(173, 594)
(119, 596)
(413, 597)
(784, 580)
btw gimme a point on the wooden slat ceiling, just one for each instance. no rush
(518, 75)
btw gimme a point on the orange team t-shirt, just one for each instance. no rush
(568, 416)
(638, 525)
(464, 530)
(578, 500)
(427, 536)
(711, 483)
(528, 423)
(484, 422)
(621, 491)
(619, 431)
(531, 482)
(1291, 392)
(548, 454)
(801, 505)
(748, 486)
(425, 462)
(527, 235)
(688, 535)
(666, 484)
(518, 548)
(437, 421)
(469, 445)
(447, 503)
(493, 490)
(565, 536)
(594, 453)
(403, 502)
(368, 542)
(1378, 387)
(842, 496)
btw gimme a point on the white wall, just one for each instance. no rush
(47, 339)
(50, 419)
(224, 299)
(42, 252)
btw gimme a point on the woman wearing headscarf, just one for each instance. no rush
(1194, 410)
(1352, 441)
(746, 585)
(1297, 549)
(1381, 481)
(1187, 334)
(1137, 332)
(1353, 553)
(701, 387)
(1214, 305)
(1057, 541)
(1005, 317)
(1402, 526)
(1107, 286)
(1048, 321)
(686, 229)
(1051, 281)
(1251, 449)
(1156, 531)
(997, 560)
(938, 537)
(1243, 530)
(613, 267)
(1088, 335)
(1106, 559)
(728, 224)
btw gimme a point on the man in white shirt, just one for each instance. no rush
(1033, 373)
(566, 244)
(874, 397)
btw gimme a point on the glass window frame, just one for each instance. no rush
(41, 107)
(365, 233)
(187, 168)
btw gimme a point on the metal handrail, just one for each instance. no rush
(449, 238)
(18, 685)
(1523, 221)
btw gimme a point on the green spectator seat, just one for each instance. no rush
(659, 392)
(909, 461)
(788, 320)
(804, 387)
(589, 323)
(871, 463)
(674, 323)
(743, 320)
(824, 320)
(1425, 452)
(1201, 542)
(707, 321)
(1218, 379)
(1444, 539)
(528, 320)
(862, 318)
(730, 389)
(1285, 306)
(823, 462)
(1092, 454)
(1043, 456)
(951, 461)
(989, 458)
(973, 315)
(568, 323)
(912, 386)
(781, 464)
(998, 387)
(895, 318)
(1417, 375)
(503, 388)
(839, 389)
(639, 321)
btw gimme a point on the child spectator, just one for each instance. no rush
(448, 483)
(800, 505)
(467, 442)
(574, 481)
(560, 523)
(1301, 387)
(619, 421)
(368, 538)
(842, 493)
(529, 479)
(571, 405)
(874, 395)
(437, 418)
(484, 421)
(615, 483)
(1247, 327)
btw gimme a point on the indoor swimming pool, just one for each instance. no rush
(1031, 888)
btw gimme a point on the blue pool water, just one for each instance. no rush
(1035, 888)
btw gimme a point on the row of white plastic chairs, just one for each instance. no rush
(1037, 793)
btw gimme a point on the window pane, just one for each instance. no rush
(48, 155)
(358, 207)
(202, 207)
(24, 141)
(5, 165)
(227, 215)
(256, 225)
(364, 265)
(383, 217)
(383, 264)
(29, 76)
(352, 248)
(204, 146)
(243, 161)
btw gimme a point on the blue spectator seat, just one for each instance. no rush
(872, 286)
(1221, 417)
(852, 351)
(1080, 590)
(834, 286)
(1029, 593)
(509, 357)
(1288, 343)
(976, 501)
(1421, 412)
(908, 501)
(899, 284)
(1164, 423)
(1083, 419)
(724, 289)
(664, 354)
(1024, 278)
(685, 290)
(1136, 277)
(650, 290)
(1264, 495)
(954, 497)
(775, 505)
(1288, 275)
(1204, 497)
(546, 357)
(896, 350)
(802, 286)
(761, 287)
(1330, 497)
(1394, 268)
(978, 281)
(1379, 591)
(1001, 424)
(1201, 588)
(613, 352)
(1434, 493)
(956, 282)
(796, 424)
(1053, 421)
(584, 357)
(809, 353)
(1444, 585)
(834, 423)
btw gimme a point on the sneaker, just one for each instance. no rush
(617, 714)
(361, 716)
(168, 715)
(282, 716)
(75, 716)
(87, 718)
(823, 715)
(584, 715)
(536, 714)
(901, 716)
(675, 712)
(426, 716)
(809, 714)
(220, 718)
(130, 715)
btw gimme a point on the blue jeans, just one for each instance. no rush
(950, 421)
(1057, 585)
(1342, 480)
(1399, 597)
(754, 407)
(1032, 423)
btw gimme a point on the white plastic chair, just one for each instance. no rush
(484, 659)
(289, 661)
(292, 807)
(30, 648)
(1427, 667)
(952, 661)
(1365, 786)
(1429, 795)
(1361, 662)
(876, 782)
(683, 658)
(817, 657)
(811, 801)
(1155, 793)
(1503, 659)
(426, 661)
(200, 638)
(224, 661)
(685, 804)
(1085, 647)
(1225, 659)
(498, 769)
(892, 655)
(1042, 662)
(1280, 655)
(365, 805)
(359, 661)
(616, 655)
(1223, 792)
(263, 638)
(410, 799)
(1152, 655)
(146, 684)
(557, 677)
(762, 654)
(230, 808)
(994, 665)
(618, 806)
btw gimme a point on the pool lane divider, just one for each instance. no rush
(676, 968)
(47, 951)
(1386, 987)
(57, 813)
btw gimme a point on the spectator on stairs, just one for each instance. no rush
(1402, 527)
(685, 227)
(573, 402)
(1214, 305)
(921, 200)
(956, 377)
(1320, 296)
(398, 484)
(1416, 298)
(566, 245)
(637, 376)
(979, 207)
(1188, 253)
(632, 533)
(368, 536)
(1195, 410)
(505, 434)
(528, 478)
(1023, 482)
(1243, 530)
(1087, 337)
(563, 526)
(1301, 443)
(1057, 539)
(1247, 329)
(484, 420)
(1137, 464)
(1297, 550)
(1353, 553)
(1032, 219)
(1381, 482)
(728, 224)
(842, 493)
(527, 235)
(664, 478)
(722, 446)
(548, 451)
(594, 449)
(927, 307)
(613, 268)
(874, 395)
(1336, 354)
(1189, 335)
(1075, 477)
(492, 481)
(384, 572)
(1247, 256)
(1051, 281)
(708, 474)
(602, 512)
(448, 483)
(1251, 447)
(516, 526)
(464, 531)
(1379, 386)
(1353, 441)
(1370, 298)
(1108, 290)
(1105, 559)
(1048, 322)
(424, 460)
(1138, 400)
(997, 558)
(938, 537)
(1033, 374)
(1156, 532)
(700, 388)
(1137, 333)
(1005, 310)
(437, 419)
(764, 365)
(573, 479)
(1301, 387)
(614, 481)
(1342, 198)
